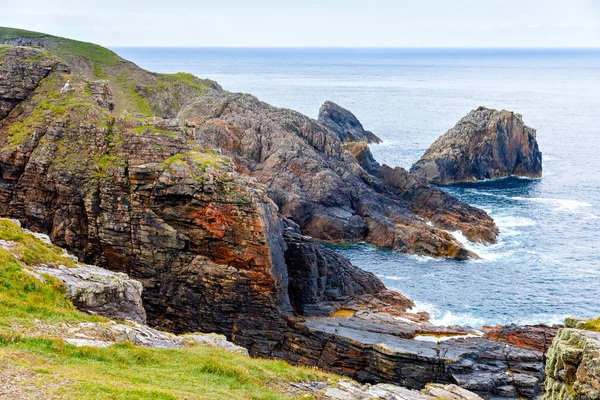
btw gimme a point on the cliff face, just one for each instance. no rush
(573, 366)
(208, 211)
(485, 144)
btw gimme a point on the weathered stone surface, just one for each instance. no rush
(96, 290)
(102, 93)
(344, 124)
(485, 144)
(349, 390)
(369, 355)
(21, 69)
(538, 337)
(573, 366)
(104, 334)
(441, 209)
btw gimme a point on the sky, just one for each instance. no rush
(312, 23)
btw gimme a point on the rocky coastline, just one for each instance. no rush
(219, 205)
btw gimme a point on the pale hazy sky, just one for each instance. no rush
(325, 23)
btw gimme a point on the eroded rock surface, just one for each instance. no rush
(573, 366)
(485, 144)
(370, 352)
(344, 124)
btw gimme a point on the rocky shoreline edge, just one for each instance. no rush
(216, 204)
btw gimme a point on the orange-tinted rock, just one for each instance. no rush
(538, 337)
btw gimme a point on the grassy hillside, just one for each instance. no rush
(34, 365)
(135, 89)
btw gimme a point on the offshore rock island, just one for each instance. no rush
(219, 205)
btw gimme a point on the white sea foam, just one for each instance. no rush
(566, 205)
(485, 252)
(510, 221)
(447, 318)
(393, 278)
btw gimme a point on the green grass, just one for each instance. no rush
(124, 371)
(591, 325)
(24, 298)
(31, 250)
(65, 48)
(141, 104)
(187, 79)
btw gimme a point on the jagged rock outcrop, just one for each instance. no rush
(101, 92)
(96, 290)
(438, 207)
(573, 366)
(485, 144)
(322, 282)
(21, 70)
(313, 180)
(344, 124)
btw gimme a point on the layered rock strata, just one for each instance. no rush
(485, 144)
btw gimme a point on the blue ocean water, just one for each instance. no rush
(546, 263)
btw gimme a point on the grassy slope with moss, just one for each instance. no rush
(55, 369)
(135, 89)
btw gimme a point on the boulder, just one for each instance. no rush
(485, 144)
(99, 291)
(344, 124)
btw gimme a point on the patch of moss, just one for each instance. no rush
(141, 104)
(591, 325)
(99, 72)
(196, 162)
(187, 79)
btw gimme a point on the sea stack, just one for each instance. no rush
(344, 124)
(485, 144)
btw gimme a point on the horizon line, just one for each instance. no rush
(362, 47)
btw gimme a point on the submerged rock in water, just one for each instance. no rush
(344, 124)
(485, 144)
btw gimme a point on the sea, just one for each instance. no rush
(546, 263)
